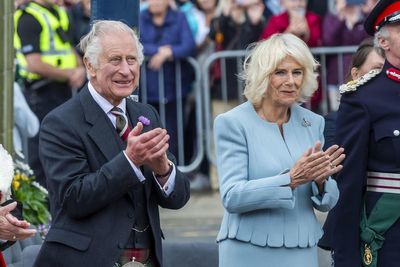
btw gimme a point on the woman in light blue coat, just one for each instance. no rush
(271, 169)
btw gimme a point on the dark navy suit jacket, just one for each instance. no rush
(90, 181)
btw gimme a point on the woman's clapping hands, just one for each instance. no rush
(316, 165)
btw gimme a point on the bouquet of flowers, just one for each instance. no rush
(6, 174)
(18, 176)
(31, 194)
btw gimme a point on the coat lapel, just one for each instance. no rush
(132, 111)
(101, 132)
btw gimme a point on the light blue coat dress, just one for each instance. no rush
(265, 222)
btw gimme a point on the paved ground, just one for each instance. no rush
(199, 221)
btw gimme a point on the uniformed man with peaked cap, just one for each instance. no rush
(365, 223)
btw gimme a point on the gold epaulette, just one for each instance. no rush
(352, 86)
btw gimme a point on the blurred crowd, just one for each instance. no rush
(50, 72)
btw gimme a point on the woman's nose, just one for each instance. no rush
(290, 79)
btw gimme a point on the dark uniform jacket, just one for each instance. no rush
(368, 125)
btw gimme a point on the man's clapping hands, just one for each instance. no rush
(148, 148)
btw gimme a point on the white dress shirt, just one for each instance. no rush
(106, 106)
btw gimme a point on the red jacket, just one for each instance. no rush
(2, 261)
(279, 23)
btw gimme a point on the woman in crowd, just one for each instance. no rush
(366, 58)
(271, 168)
(306, 25)
(239, 24)
(342, 26)
(209, 10)
(295, 19)
(166, 38)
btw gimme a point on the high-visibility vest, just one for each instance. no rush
(54, 51)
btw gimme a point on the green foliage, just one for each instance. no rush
(32, 196)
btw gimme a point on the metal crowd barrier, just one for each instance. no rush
(203, 145)
(203, 99)
(321, 53)
(195, 95)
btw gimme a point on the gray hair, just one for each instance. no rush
(266, 56)
(90, 44)
(382, 33)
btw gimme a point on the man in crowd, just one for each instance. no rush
(106, 183)
(365, 222)
(47, 63)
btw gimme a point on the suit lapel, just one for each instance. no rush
(133, 113)
(101, 132)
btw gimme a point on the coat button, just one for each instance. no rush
(396, 132)
(130, 214)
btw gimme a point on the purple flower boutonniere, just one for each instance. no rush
(145, 121)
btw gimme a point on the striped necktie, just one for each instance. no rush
(121, 124)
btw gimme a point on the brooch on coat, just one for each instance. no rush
(144, 120)
(305, 123)
(352, 86)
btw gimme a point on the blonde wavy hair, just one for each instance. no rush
(264, 59)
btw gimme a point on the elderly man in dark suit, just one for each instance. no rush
(106, 181)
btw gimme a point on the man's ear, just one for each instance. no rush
(89, 67)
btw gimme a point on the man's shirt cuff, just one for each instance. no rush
(137, 171)
(170, 183)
